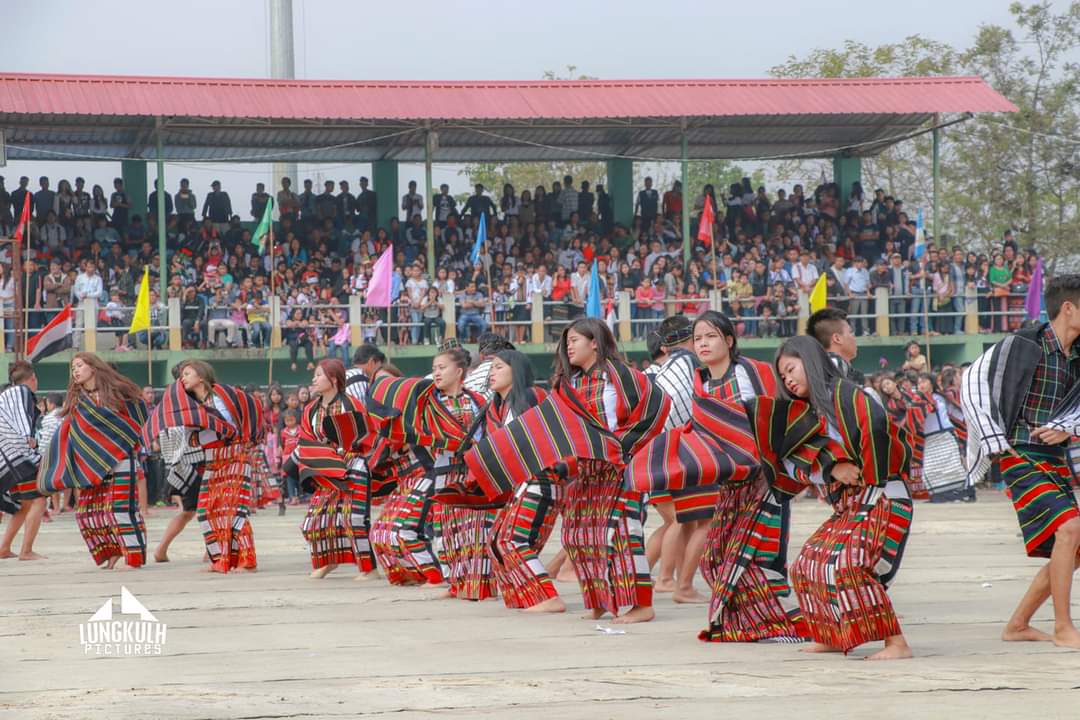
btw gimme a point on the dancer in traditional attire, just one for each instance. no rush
(1021, 400)
(96, 450)
(830, 327)
(737, 448)
(943, 471)
(599, 412)
(431, 418)
(338, 520)
(222, 427)
(838, 576)
(19, 460)
(665, 544)
(477, 380)
(182, 472)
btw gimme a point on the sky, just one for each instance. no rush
(446, 40)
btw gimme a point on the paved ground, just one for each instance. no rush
(279, 645)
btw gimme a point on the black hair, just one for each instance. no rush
(934, 387)
(593, 329)
(1060, 289)
(489, 343)
(521, 396)
(723, 324)
(821, 374)
(825, 323)
(653, 345)
(458, 356)
(366, 353)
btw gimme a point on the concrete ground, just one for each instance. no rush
(276, 644)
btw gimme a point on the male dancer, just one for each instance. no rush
(19, 460)
(1021, 402)
(830, 327)
(367, 360)
(490, 344)
(171, 446)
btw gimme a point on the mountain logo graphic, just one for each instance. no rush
(135, 631)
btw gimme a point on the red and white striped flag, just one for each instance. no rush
(52, 338)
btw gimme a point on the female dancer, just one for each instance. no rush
(943, 466)
(432, 418)
(838, 574)
(743, 447)
(523, 525)
(95, 450)
(338, 518)
(223, 425)
(599, 412)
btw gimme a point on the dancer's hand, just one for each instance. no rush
(1050, 436)
(846, 473)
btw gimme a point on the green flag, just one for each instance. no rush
(262, 231)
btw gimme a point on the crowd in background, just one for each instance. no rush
(767, 249)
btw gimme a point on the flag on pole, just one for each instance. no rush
(920, 235)
(141, 319)
(24, 219)
(1034, 300)
(610, 318)
(481, 238)
(382, 280)
(819, 295)
(262, 230)
(52, 338)
(592, 302)
(705, 223)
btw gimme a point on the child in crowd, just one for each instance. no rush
(290, 438)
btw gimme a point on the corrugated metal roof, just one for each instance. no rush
(58, 116)
(342, 100)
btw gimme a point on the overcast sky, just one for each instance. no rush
(448, 40)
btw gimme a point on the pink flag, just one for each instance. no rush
(378, 292)
(705, 223)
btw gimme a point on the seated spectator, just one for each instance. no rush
(474, 305)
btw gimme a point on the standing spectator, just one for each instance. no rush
(346, 208)
(579, 289)
(308, 215)
(804, 273)
(1000, 280)
(218, 208)
(43, 201)
(57, 286)
(412, 203)
(647, 205)
(18, 197)
(857, 280)
(585, 202)
(83, 226)
(443, 205)
(432, 311)
(919, 288)
(120, 205)
(673, 201)
(7, 302)
(288, 202)
(88, 285)
(509, 203)
(64, 206)
(416, 288)
(568, 200)
(604, 210)
(185, 203)
(7, 218)
(326, 205)
(479, 204)
(151, 203)
(943, 290)
(899, 287)
(259, 200)
(366, 208)
(53, 236)
(958, 276)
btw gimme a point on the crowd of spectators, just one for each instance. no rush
(767, 249)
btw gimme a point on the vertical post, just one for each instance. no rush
(625, 331)
(356, 320)
(685, 205)
(429, 139)
(937, 179)
(275, 322)
(384, 175)
(881, 311)
(89, 309)
(804, 313)
(163, 262)
(449, 314)
(537, 318)
(620, 186)
(176, 335)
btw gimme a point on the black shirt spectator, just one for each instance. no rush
(326, 204)
(120, 205)
(151, 203)
(43, 201)
(479, 203)
(648, 203)
(585, 201)
(217, 206)
(366, 209)
(18, 197)
(259, 200)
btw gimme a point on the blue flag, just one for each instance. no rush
(481, 238)
(592, 303)
(920, 235)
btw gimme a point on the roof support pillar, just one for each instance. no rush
(846, 170)
(429, 149)
(162, 220)
(686, 243)
(937, 181)
(384, 176)
(620, 186)
(133, 173)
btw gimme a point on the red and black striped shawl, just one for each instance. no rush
(89, 444)
(880, 447)
(406, 411)
(178, 409)
(563, 428)
(320, 455)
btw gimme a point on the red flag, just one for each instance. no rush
(24, 220)
(705, 223)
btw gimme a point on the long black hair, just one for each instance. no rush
(821, 374)
(724, 326)
(521, 396)
(592, 329)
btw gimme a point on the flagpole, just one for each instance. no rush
(273, 294)
(25, 316)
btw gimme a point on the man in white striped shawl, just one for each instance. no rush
(19, 460)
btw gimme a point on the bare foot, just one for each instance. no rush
(1024, 634)
(819, 648)
(1067, 638)
(111, 562)
(639, 614)
(31, 556)
(4, 555)
(365, 576)
(896, 648)
(690, 596)
(594, 614)
(566, 573)
(322, 572)
(160, 556)
(124, 567)
(551, 605)
(664, 585)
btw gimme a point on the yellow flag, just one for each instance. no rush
(141, 319)
(817, 295)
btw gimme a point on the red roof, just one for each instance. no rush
(94, 95)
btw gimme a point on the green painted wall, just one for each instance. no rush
(134, 174)
(620, 186)
(384, 181)
(846, 170)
